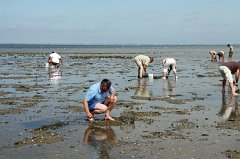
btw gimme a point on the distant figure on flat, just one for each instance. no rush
(142, 62)
(220, 55)
(213, 55)
(230, 52)
(169, 64)
(227, 69)
(54, 59)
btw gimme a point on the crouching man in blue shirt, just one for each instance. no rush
(100, 98)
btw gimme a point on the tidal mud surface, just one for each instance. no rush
(42, 115)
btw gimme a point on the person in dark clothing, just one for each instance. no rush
(227, 69)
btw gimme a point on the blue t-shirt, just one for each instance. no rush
(94, 95)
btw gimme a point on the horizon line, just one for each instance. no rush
(105, 44)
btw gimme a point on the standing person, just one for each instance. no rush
(54, 59)
(142, 61)
(100, 98)
(213, 55)
(220, 55)
(169, 64)
(227, 69)
(230, 52)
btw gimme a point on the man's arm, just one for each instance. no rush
(86, 108)
(237, 77)
(49, 59)
(112, 96)
(113, 93)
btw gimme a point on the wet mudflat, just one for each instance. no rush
(42, 115)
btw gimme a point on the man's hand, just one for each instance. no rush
(89, 115)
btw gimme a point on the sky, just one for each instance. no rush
(157, 22)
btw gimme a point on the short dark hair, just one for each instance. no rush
(106, 82)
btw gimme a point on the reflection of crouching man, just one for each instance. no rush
(100, 98)
(226, 70)
(95, 135)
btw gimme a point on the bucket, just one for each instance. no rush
(150, 76)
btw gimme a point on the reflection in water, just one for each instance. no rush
(142, 90)
(101, 139)
(227, 109)
(54, 75)
(169, 88)
(128, 117)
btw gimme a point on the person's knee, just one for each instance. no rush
(115, 100)
(103, 109)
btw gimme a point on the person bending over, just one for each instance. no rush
(220, 55)
(227, 69)
(169, 64)
(54, 59)
(213, 55)
(142, 62)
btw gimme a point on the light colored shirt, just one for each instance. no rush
(143, 59)
(95, 95)
(168, 61)
(55, 57)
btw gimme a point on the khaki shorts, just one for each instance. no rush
(226, 73)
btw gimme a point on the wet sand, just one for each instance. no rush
(42, 114)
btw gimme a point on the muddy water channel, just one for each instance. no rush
(42, 116)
